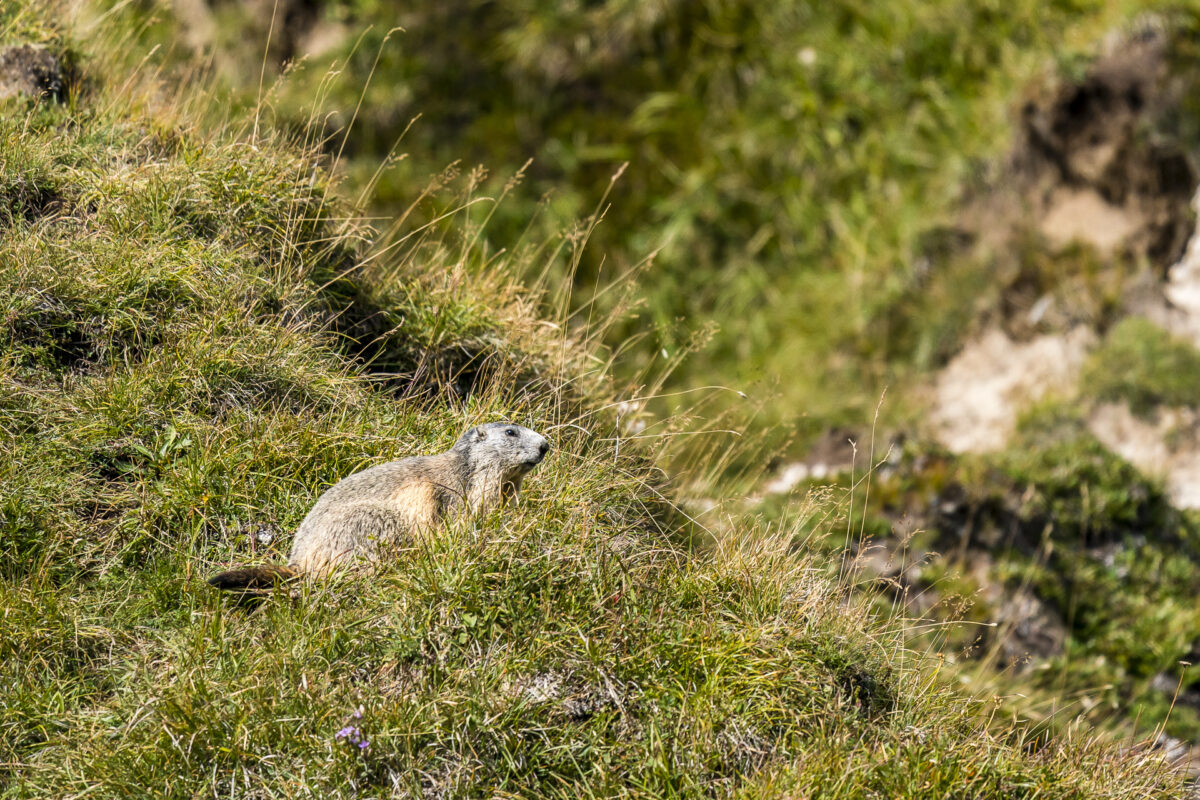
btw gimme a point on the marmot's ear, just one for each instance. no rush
(479, 434)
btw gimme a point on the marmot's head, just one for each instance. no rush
(504, 446)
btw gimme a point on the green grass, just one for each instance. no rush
(198, 337)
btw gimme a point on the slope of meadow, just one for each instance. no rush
(198, 337)
(983, 205)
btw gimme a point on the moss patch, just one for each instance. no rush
(1141, 364)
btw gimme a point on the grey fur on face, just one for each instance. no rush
(519, 448)
(371, 514)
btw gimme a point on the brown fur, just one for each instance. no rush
(369, 515)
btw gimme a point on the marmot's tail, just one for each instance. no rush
(253, 579)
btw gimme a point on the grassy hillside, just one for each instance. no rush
(199, 337)
(837, 197)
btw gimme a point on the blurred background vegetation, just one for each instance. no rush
(789, 163)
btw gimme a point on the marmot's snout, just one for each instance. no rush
(533, 446)
(543, 447)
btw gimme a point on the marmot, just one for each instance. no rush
(361, 517)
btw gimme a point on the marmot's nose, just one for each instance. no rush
(544, 447)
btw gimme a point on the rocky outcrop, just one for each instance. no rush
(1089, 169)
(32, 71)
(979, 394)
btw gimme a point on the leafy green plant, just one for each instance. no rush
(1141, 364)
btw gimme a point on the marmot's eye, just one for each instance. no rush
(511, 431)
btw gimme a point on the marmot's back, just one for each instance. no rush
(374, 510)
(372, 513)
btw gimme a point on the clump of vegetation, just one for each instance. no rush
(1141, 364)
(178, 382)
(1079, 560)
(1085, 493)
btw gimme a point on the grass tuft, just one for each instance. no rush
(1141, 364)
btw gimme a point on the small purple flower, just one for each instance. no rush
(350, 734)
